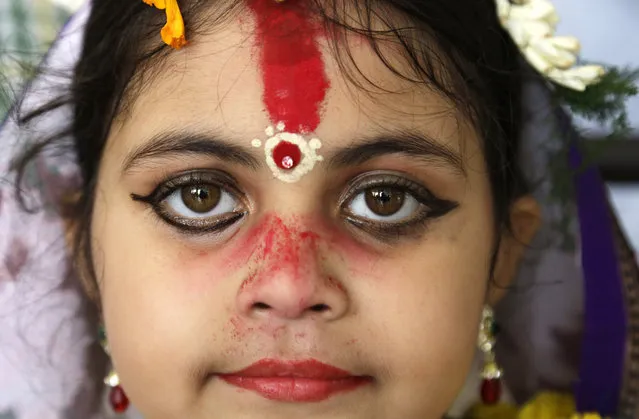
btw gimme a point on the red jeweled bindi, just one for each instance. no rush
(287, 155)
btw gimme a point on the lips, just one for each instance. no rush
(295, 381)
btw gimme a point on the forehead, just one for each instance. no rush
(218, 83)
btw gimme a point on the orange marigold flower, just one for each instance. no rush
(173, 31)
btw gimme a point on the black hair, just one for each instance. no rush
(482, 78)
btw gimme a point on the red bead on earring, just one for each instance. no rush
(491, 373)
(118, 399)
(490, 390)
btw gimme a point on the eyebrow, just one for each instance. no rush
(179, 143)
(173, 144)
(410, 144)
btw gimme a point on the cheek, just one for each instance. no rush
(430, 299)
(427, 310)
(149, 301)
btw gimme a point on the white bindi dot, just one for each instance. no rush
(315, 144)
(256, 143)
(270, 131)
(280, 126)
(288, 162)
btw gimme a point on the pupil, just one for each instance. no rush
(201, 194)
(384, 200)
(201, 199)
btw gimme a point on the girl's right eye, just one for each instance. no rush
(200, 201)
(197, 202)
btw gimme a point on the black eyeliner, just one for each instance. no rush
(431, 207)
(209, 177)
(391, 233)
(197, 228)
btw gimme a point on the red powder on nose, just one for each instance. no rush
(309, 235)
(295, 82)
(331, 282)
(274, 246)
(248, 281)
(287, 155)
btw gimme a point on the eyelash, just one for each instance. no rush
(431, 207)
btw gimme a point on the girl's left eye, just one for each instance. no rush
(384, 203)
(389, 205)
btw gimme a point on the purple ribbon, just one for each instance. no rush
(605, 323)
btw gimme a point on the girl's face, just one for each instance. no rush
(355, 292)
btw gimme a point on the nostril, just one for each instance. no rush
(320, 308)
(261, 306)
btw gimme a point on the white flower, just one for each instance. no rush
(532, 25)
(578, 78)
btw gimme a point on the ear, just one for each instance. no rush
(525, 219)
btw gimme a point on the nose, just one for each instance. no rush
(289, 281)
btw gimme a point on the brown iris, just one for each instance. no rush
(384, 200)
(201, 198)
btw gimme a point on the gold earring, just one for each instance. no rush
(117, 397)
(491, 373)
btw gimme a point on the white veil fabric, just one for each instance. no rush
(46, 343)
(47, 346)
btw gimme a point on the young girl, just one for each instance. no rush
(301, 208)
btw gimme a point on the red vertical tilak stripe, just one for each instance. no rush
(295, 81)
